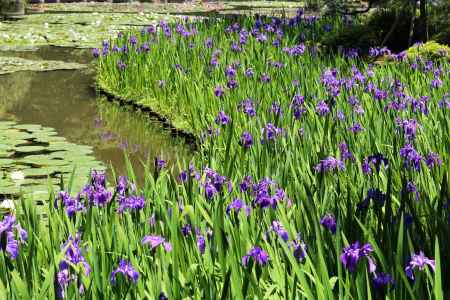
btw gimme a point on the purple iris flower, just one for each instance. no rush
(121, 65)
(297, 100)
(376, 196)
(186, 229)
(276, 43)
(419, 261)
(279, 229)
(131, 203)
(235, 47)
(265, 78)
(222, 119)
(380, 95)
(433, 160)
(374, 161)
(62, 280)
(249, 72)
(246, 140)
(299, 248)
(381, 280)
(73, 253)
(410, 157)
(95, 52)
(122, 185)
(71, 205)
(210, 190)
(97, 195)
(8, 242)
(73, 256)
(98, 178)
(270, 132)
(353, 253)
(329, 164)
(127, 270)
(248, 107)
(409, 128)
(155, 241)
(133, 40)
(232, 84)
(329, 222)
(436, 82)
(151, 29)
(444, 102)
(322, 108)
(201, 243)
(267, 194)
(276, 109)
(160, 163)
(356, 128)
(214, 61)
(411, 188)
(209, 43)
(236, 205)
(246, 184)
(258, 255)
(296, 50)
(218, 92)
(346, 154)
(262, 37)
(230, 72)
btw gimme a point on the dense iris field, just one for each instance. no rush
(319, 175)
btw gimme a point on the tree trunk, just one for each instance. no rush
(423, 21)
(413, 20)
(392, 29)
(12, 8)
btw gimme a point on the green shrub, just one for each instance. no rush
(430, 49)
(371, 31)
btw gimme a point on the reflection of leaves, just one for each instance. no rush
(10, 98)
(119, 125)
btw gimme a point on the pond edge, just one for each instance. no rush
(149, 112)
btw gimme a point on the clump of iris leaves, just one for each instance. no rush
(319, 175)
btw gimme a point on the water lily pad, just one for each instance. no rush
(32, 157)
(40, 137)
(15, 64)
(28, 127)
(6, 161)
(30, 148)
(39, 172)
(68, 30)
(6, 154)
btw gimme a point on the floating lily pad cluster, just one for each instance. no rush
(33, 156)
(184, 7)
(67, 30)
(15, 64)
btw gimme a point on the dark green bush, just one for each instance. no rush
(372, 30)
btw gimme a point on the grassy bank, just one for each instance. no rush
(319, 177)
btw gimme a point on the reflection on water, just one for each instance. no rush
(66, 101)
(82, 56)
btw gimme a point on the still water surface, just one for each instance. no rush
(67, 101)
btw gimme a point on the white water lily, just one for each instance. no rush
(7, 204)
(17, 175)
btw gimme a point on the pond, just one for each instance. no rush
(66, 100)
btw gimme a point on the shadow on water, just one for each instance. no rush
(67, 101)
